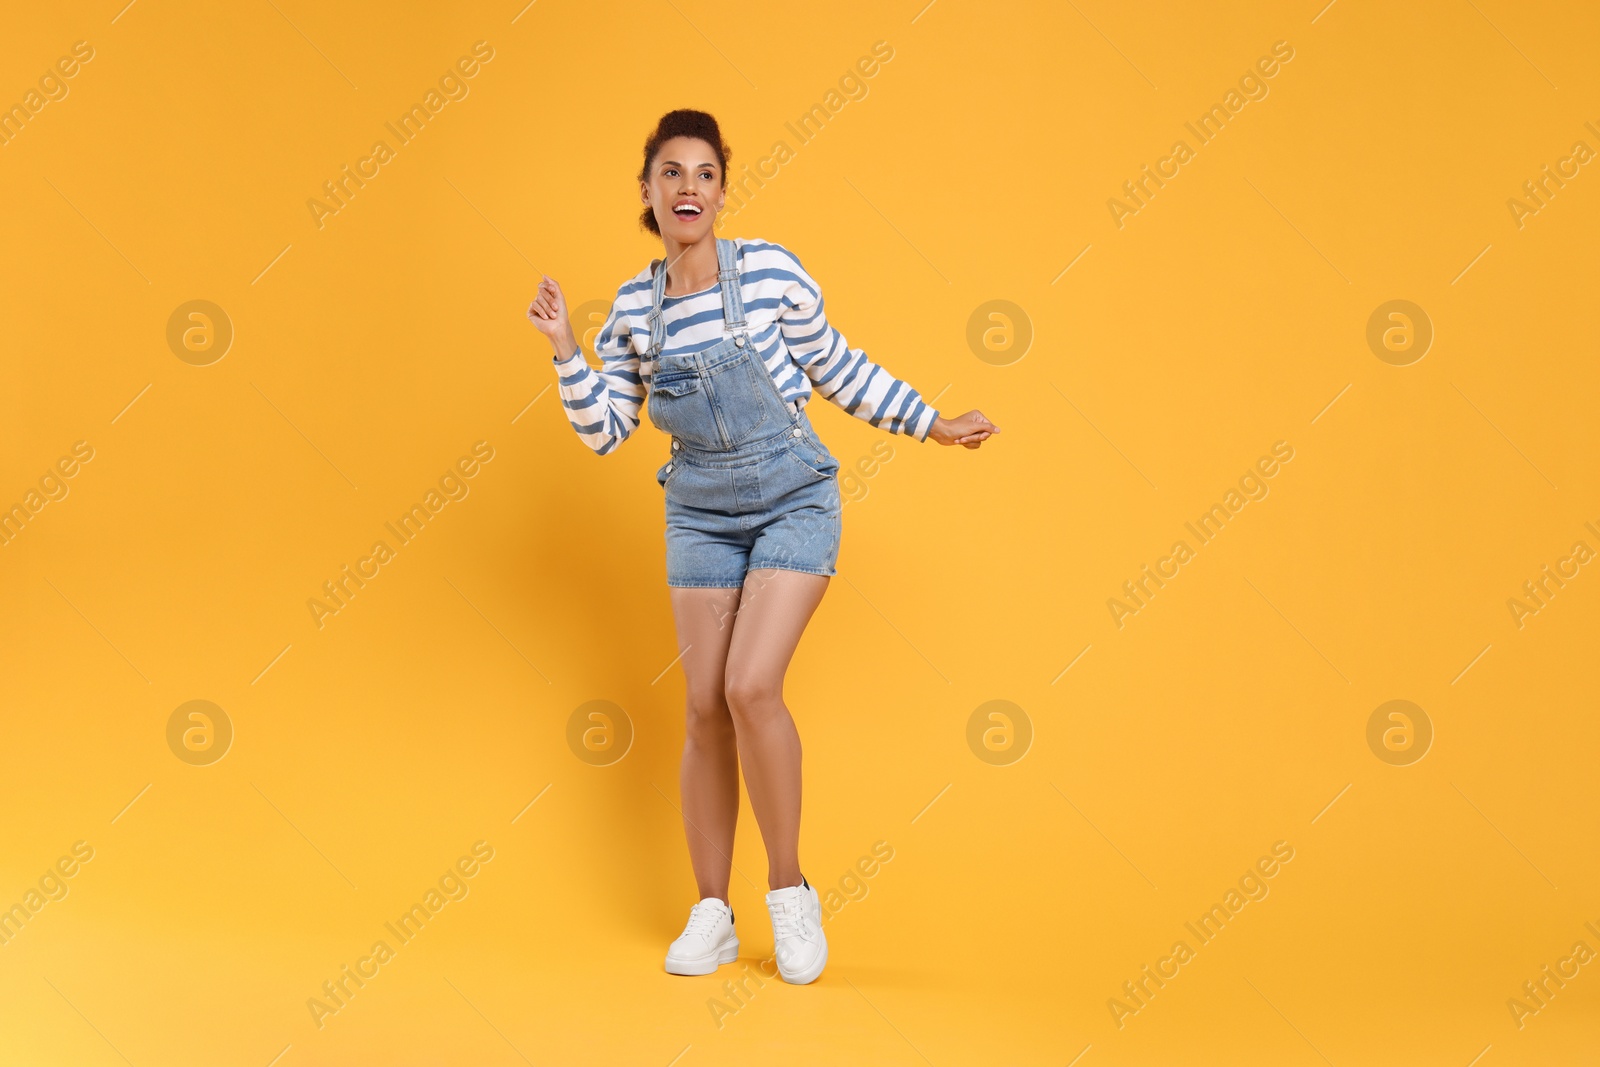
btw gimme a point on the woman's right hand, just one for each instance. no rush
(969, 430)
(548, 313)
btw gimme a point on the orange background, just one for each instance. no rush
(1039, 860)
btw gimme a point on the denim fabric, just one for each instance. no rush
(749, 485)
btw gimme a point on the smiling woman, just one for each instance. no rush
(725, 341)
(705, 175)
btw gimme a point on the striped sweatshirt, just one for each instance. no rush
(788, 330)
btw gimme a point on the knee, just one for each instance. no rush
(708, 716)
(750, 696)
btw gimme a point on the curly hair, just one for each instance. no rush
(681, 123)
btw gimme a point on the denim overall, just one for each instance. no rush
(749, 485)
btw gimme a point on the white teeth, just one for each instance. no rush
(687, 207)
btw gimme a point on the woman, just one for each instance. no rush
(727, 338)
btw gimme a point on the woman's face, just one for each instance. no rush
(685, 189)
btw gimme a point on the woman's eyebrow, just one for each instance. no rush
(675, 163)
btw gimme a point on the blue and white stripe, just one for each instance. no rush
(800, 349)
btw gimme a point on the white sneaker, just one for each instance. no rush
(707, 940)
(798, 944)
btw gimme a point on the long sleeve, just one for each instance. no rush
(603, 406)
(843, 374)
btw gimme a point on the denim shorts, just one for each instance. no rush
(774, 504)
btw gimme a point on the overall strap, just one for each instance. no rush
(658, 328)
(728, 275)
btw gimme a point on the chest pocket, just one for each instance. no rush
(681, 406)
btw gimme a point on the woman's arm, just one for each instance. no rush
(840, 373)
(603, 406)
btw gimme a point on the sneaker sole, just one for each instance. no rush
(705, 964)
(809, 976)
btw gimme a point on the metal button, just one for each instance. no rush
(669, 468)
(677, 445)
(798, 432)
(739, 341)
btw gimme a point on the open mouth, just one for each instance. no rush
(686, 210)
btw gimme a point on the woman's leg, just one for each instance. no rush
(772, 614)
(709, 780)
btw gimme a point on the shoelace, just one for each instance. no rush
(788, 920)
(702, 920)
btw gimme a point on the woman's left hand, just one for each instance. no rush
(971, 429)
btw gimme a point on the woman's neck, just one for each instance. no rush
(691, 267)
